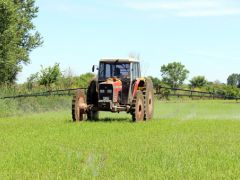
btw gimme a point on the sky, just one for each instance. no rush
(204, 35)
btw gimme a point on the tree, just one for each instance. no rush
(198, 82)
(85, 79)
(18, 36)
(174, 74)
(67, 80)
(49, 75)
(31, 80)
(234, 80)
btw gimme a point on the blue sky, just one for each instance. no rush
(204, 35)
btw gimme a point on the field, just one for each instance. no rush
(186, 140)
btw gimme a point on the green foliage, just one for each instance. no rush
(174, 74)
(234, 80)
(84, 79)
(229, 91)
(162, 92)
(76, 81)
(67, 80)
(233, 92)
(156, 82)
(52, 77)
(198, 82)
(193, 140)
(32, 80)
(49, 75)
(17, 36)
(223, 90)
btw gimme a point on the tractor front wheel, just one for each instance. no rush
(93, 115)
(79, 106)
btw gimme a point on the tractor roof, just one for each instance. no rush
(129, 60)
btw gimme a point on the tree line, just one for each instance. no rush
(175, 74)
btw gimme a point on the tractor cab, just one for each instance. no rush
(118, 74)
(119, 68)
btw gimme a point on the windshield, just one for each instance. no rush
(109, 70)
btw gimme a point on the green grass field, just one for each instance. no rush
(186, 140)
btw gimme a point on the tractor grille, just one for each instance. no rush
(105, 92)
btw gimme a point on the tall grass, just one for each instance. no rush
(31, 105)
(19, 106)
(190, 140)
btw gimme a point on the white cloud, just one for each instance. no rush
(171, 5)
(68, 7)
(188, 8)
(154, 8)
(202, 13)
(80, 9)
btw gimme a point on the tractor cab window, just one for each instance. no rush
(109, 70)
(135, 71)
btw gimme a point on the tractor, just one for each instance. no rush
(118, 87)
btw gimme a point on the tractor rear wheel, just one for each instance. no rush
(138, 107)
(148, 100)
(79, 105)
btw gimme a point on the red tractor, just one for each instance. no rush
(119, 87)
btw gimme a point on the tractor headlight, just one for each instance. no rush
(109, 91)
(102, 91)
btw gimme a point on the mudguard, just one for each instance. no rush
(138, 85)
